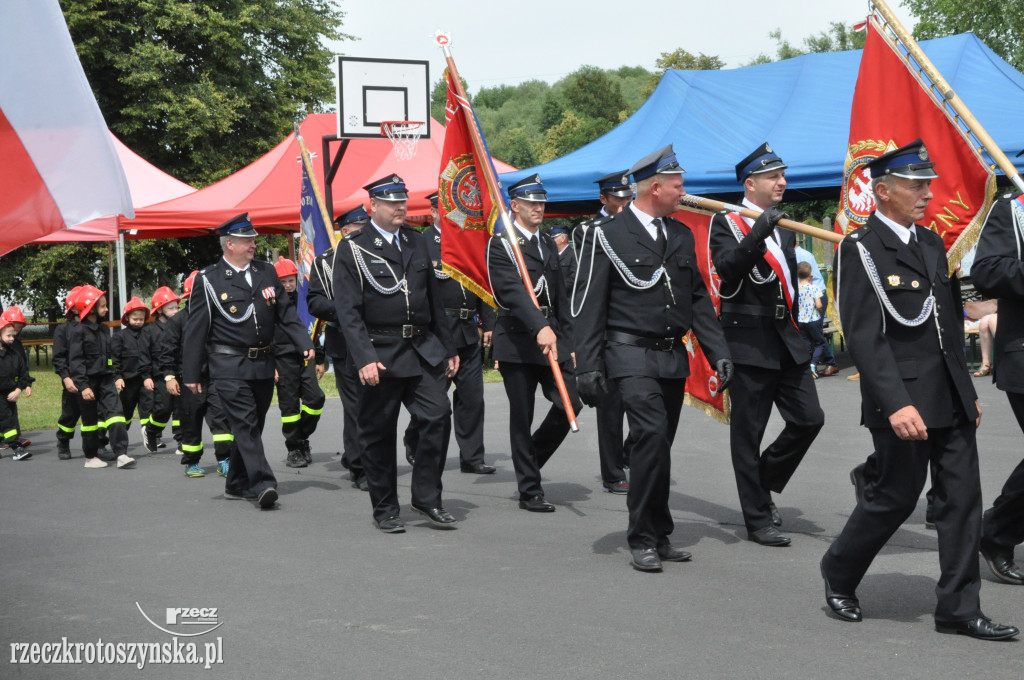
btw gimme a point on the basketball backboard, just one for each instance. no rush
(372, 91)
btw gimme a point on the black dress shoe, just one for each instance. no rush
(845, 607)
(981, 628)
(392, 525)
(477, 468)
(776, 517)
(857, 479)
(769, 536)
(410, 456)
(267, 498)
(670, 553)
(619, 488)
(536, 504)
(645, 560)
(1000, 561)
(437, 516)
(359, 482)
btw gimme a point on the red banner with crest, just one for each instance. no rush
(893, 106)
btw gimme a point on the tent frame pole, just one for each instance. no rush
(331, 169)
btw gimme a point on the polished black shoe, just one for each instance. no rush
(929, 517)
(769, 536)
(645, 560)
(410, 456)
(670, 553)
(536, 504)
(845, 607)
(776, 517)
(1000, 561)
(619, 488)
(477, 468)
(267, 498)
(437, 516)
(392, 525)
(295, 459)
(981, 628)
(857, 479)
(360, 482)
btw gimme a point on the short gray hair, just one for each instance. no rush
(224, 243)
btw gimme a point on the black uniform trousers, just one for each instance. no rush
(70, 414)
(162, 407)
(753, 392)
(245, 405)
(193, 410)
(652, 409)
(346, 379)
(467, 410)
(130, 395)
(10, 429)
(299, 397)
(531, 452)
(102, 412)
(892, 496)
(1003, 523)
(425, 396)
(612, 451)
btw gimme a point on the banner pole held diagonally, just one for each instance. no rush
(485, 167)
(689, 200)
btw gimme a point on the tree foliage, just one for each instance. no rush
(839, 37)
(680, 60)
(1000, 25)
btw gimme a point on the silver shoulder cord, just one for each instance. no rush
(540, 286)
(357, 254)
(208, 287)
(628, 277)
(755, 275)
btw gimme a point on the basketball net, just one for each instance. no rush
(404, 136)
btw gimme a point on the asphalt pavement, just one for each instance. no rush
(313, 590)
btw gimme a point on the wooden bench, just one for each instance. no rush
(43, 345)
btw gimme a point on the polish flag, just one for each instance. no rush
(59, 166)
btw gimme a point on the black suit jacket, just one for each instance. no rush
(899, 365)
(609, 303)
(320, 301)
(222, 316)
(360, 306)
(519, 320)
(754, 340)
(999, 272)
(455, 296)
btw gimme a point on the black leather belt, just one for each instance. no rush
(248, 352)
(459, 313)
(660, 344)
(407, 331)
(771, 311)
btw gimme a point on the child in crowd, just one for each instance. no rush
(157, 346)
(69, 413)
(809, 319)
(14, 381)
(296, 382)
(126, 355)
(90, 368)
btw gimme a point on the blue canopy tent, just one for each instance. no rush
(801, 106)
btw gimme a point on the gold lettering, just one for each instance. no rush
(947, 216)
(960, 202)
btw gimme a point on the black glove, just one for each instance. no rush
(764, 225)
(592, 387)
(725, 370)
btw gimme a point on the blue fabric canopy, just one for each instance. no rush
(801, 106)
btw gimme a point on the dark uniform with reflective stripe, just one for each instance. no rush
(157, 344)
(298, 392)
(69, 411)
(90, 365)
(126, 353)
(13, 375)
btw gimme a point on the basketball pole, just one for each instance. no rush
(491, 182)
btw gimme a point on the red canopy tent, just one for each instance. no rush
(268, 189)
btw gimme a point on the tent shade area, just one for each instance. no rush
(268, 188)
(800, 105)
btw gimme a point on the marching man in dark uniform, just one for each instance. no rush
(234, 309)
(757, 265)
(524, 335)
(320, 300)
(566, 255)
(462, 308)
(643, 293)
(615, 193)
(903, 318)
(390, 311)
(998, 271)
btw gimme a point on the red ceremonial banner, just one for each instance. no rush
(893, 106)
(702, 385)
(468, 214)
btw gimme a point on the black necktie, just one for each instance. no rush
(659, 239)
(915, 247)
(535, 245)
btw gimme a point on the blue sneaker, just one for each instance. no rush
(195, 471)
(222, 468)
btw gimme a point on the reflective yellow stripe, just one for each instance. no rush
(144, 421)
(153, 421)
(110, 362)
(189, 448)
(70, 430)
(11, 433)
(290, 419)
(176, 423)
(223, 437)
(312, 411)
(115, 419)
(90, 428)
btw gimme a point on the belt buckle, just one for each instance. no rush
(780, 311)
(671, 344)
(464, 314)
(253, 353)
(406, 331)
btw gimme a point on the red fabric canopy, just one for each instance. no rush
(269, 188)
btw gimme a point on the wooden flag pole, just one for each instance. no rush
(691, 201)
(485, 167)
(948, 94)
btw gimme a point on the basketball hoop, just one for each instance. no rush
(404, 136)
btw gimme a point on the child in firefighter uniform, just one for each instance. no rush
(126, 355)
(157, 345)
(15, 381)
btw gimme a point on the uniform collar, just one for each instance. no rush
(902, 233)
(387, 236)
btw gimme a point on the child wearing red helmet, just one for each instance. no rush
(126, 355)
(90, 367)
(157, 371)
(14, 381)
(69, 411)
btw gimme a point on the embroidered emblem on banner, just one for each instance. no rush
(857, 199)
(458, 193)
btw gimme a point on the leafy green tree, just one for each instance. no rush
(515, 147)
(681, 60)
(573, 132)
(592, 94)
(439, 98)
(1000, 25)
(839, 37)
(551, 112)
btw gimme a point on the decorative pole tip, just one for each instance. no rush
(442, 39)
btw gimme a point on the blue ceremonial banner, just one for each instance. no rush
(314, 236)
